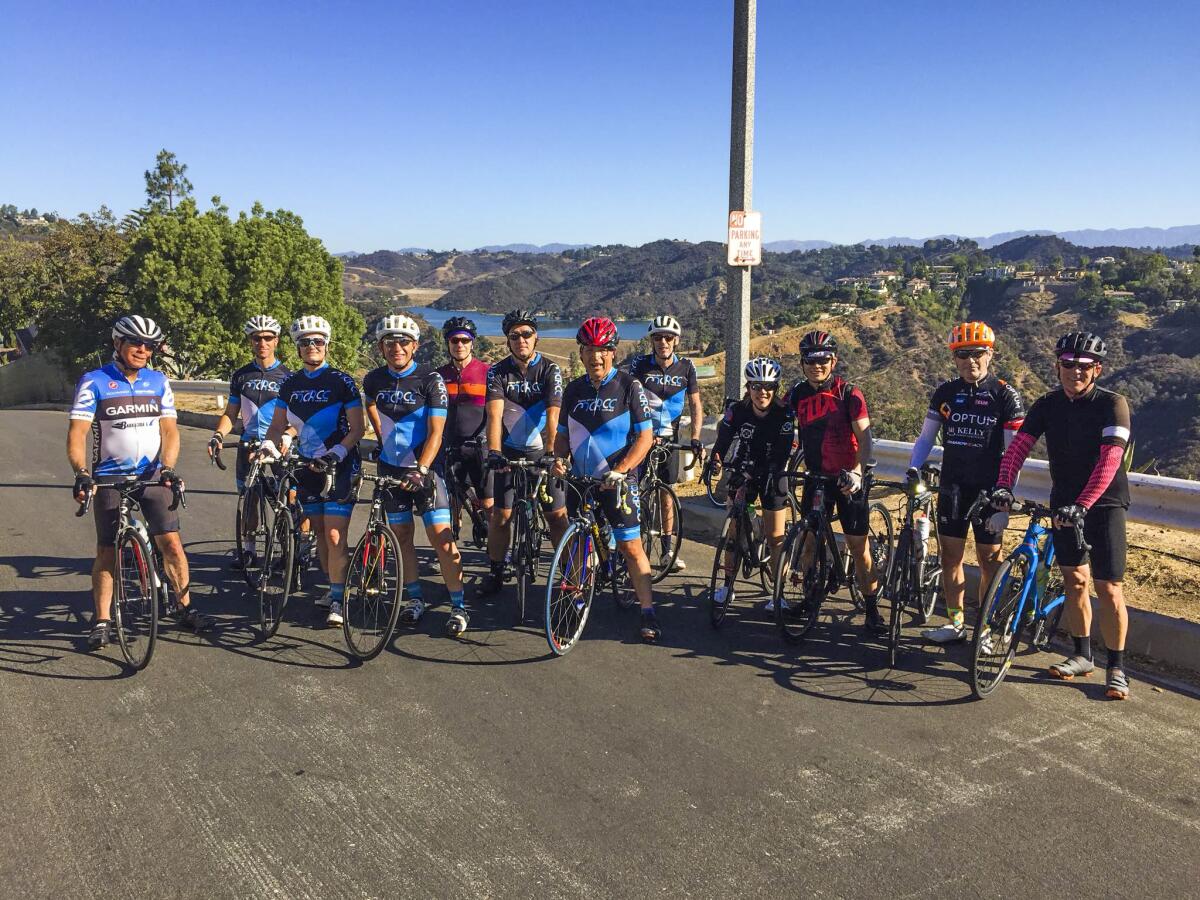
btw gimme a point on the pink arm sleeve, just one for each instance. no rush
(1107, 465)
(1014, 458)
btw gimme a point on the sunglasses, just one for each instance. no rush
(970, 354)
(818, 360)
(134, 342)
(521, 335)
(461, 340)
(1076, 364)
(768, 386)
(393, 343)
(310, 342)
(662, 337)
(264, 338)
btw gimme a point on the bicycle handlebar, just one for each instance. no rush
(1030, 508)
(178, 492)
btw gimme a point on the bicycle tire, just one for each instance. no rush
(254, 498)
(1046, 627)
(796, 617)
(931, 580)
(570, 587)
(278, 576)
(135, 599)
(456, 509)
(900, 595)
(374, 582)
(717, 611)
(712, 489)
(995, 640)
(654, 504)
(521, 558)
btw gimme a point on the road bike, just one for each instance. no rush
(528, 527)
(660, 505)
(464, 498)
(252, 517)
(587, 553)
(915, 576)
(741, 551)
(812, 565)
(141, 588)
(1026, 593)
(375, 578)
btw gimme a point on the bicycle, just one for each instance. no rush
(1026, 576)
(742, 540)
(249, 542)
(464, 497)
(915, 574)
(657, 498)
(812, 562)
(140, 584)
(716, 486)
(375, 578)
(528, 526)
(587, 551)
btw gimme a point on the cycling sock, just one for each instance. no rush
(871, 601)
(413, 589)
(1116, 659)
(1083, 646)
(497, 567)
(457, 599)
(956, 615)
(337, 590)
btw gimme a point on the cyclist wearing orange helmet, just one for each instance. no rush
(978, 415)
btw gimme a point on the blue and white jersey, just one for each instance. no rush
(666, 389)
(316, 405)
(405, 402)
(601, 423)
(256, 392)
(526, 398)
(125, 419)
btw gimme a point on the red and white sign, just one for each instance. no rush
(745, 238)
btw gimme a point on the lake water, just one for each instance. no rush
(489, 324)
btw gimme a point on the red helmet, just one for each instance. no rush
(598, 331)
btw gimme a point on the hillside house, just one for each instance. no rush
(999, 273)
(1103, 261)
(916, 286)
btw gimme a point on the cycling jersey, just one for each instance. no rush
(764, 441)
(666, 389)
(125, 419)
(316, 405)
(466, 390)
(405, 402)
(526, 398)
(973, 420)
(601, 423)
(1075, 430)
(255, 390)
(823, 417)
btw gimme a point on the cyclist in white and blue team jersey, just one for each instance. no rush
(605, 431)
(669, 381)
(407, 405)
(254, 394)
(129, 409)
(524, 393)
(321, 416)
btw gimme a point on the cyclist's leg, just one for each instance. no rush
(774, 513)
(105, 512)
(853, 514)
(1104, 529)
(556, 510)
(1077, 610)
(500, 526)
(163, 524)
(434, 508)
(668, 511)
(335, 527)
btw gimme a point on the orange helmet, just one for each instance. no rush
(971, 334)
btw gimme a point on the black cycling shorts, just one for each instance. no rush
(431, 504)
(1104, 529)
(852, 512)
(664, 469)
(503, 489)
(339, 501)
(155, 500)
(467, 462)
(621, 507)
(770, 491)
(952, 513)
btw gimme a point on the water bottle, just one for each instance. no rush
(609, 538)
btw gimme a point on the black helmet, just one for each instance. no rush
(459, 325)
(1081, 343)
(818, 342)
(518, 317)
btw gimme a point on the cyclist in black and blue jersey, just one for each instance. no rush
(524, 394)
(606, 432)
(407, 405)
(253, 396)
(670, 382)
(320, 416)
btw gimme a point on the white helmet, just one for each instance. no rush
(400, 326)
(137, 328)
(664, 325)
(764, 369)
(262, 323)
(310, 325)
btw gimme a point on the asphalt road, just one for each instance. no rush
(712, 764)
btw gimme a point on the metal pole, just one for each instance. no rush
(741, 183)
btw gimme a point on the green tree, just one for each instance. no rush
(166, 182)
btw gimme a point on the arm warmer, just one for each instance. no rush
(924, 444)
(1111, 457)
(1014, 458)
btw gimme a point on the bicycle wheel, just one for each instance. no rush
(135, 599)
(251, 527)
(278, 575)
(373, 585)
(619, 582)
(901, 596)
(722, 577)
(714, 486)
(800, 583)
(995, 638)
(522, 563)
(931, 580)
(570, 587)
(1046, 627)
(456, 508)
(658, 505)
(881, 542)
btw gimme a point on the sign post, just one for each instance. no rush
(741, 182)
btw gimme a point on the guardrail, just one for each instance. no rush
(201, 387)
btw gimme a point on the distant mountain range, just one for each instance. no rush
(490, 248)
(1085, 237)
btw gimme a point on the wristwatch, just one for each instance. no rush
(423, 469)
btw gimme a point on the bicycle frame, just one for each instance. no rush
(1038, 548)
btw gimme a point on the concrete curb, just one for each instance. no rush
(1166, 638)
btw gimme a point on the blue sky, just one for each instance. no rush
(456, 124)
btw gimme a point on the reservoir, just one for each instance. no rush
(489, 324)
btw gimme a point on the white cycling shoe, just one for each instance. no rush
(945, 634)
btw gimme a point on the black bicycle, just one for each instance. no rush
(916, 573)
(252, 517)
(659, 506)
(741, 552)
(141, 588)
(375, 579)
(528, 527)
(463, 496)
(812, 565)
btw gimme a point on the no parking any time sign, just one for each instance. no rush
(745, 238)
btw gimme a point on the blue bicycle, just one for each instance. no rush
(1026, 592)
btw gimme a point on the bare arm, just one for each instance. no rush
(279, 425)
(866, 444)
(433, 443)
(376, 424)
(495, 424)
(358, 427)
(551, 432)
(228, 417)
(168, 429)
(697, 408)
(77, 433)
